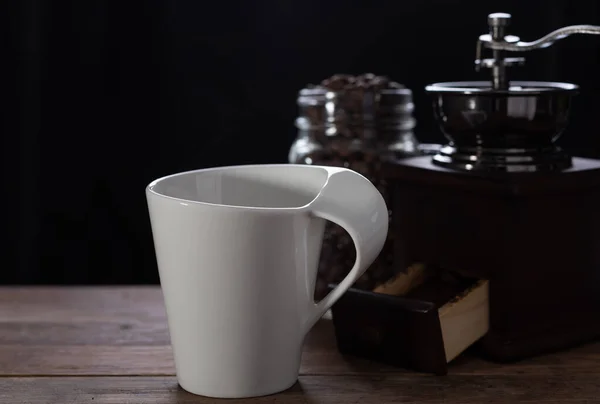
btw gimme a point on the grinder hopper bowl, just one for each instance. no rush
(499, 125)
(501, 204)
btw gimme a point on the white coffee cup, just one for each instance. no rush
(237, 251)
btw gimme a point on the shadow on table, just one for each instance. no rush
(294, 395)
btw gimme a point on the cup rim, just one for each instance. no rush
(150, 191)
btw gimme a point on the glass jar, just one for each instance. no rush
(357, 123)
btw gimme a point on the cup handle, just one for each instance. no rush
(351, 201)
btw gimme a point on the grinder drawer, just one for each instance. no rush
(422, 319)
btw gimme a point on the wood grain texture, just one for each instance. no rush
(390, 389)
(320, 357)
(111, 345)
(68, 305)
(157, 360)
(465, 321)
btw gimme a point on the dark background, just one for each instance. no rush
(104, 96)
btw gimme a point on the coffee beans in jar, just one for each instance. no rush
(357, 122)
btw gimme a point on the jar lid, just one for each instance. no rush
(358, 100)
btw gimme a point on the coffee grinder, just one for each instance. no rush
(502, 204)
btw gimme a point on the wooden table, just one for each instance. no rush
(111, 345)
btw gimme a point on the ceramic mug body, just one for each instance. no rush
(237, 250)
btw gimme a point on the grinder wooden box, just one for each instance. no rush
(534, 237)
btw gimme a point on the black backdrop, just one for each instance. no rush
(104, 96)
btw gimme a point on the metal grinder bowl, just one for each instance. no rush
(512, 130)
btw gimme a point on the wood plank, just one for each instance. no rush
(145, 360)
(83, 316)
(158, 360)
(68, 305)
(391, 389)
(116, 333)
(123, 331)
(128, 331)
